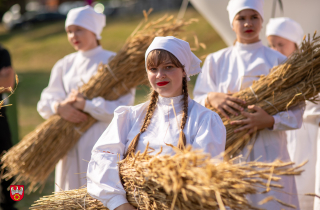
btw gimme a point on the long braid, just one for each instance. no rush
(182, 138)
(147, 120)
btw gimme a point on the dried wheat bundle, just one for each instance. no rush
(289, 84)
(35, 156)
(188, 180)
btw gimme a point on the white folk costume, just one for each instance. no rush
(235, 68)
(71, 72)
(203, 130)
(302, 143)
(302, 146)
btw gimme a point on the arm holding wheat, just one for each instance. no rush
(206, 91)
(103, 171)
(102, 110)
(289, 120)
(54, 99)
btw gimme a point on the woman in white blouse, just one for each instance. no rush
(83, 26)
(235, 68)
(285, 35)
(169, 63)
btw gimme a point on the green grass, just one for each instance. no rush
(34, 52)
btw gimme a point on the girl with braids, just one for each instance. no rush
(169, 117)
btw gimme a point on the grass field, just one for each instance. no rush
(35, 51)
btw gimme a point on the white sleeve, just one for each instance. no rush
(52, 94)
(289, 120)
(206, 81)
(103, 110)
(312, 110)
(103, 180)
(211, 136)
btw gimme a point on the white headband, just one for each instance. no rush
(285, 28)
(87, 18)
(235, 6)
(180, 49)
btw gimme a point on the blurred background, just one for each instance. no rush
(33, 32)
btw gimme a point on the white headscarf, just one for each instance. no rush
(180, 49)
(87, 18)
(285, 28)
(235, 6)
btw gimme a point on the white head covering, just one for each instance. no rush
(235, 6)
(285, 28)
(180, 49)
(87, 18)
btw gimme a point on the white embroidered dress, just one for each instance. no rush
(71, 72)
(204, 130)
(235, 68)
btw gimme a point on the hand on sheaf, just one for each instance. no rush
(125, 206)
(68, 112)
(257, 120)
(225, 103)
(77, 99)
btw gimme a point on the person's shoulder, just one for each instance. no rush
(130, 111)
(2, 49)
(65, 60)
(109, 53)
(220, 53)
(69, 58)
(205, 113)
(105, 56)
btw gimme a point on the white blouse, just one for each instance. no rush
(203, 130)
(235, 68)
(71, 72)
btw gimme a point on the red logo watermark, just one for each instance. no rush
(16, 192)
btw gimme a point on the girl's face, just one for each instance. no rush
(166, 78)
(282, 45)
(247, 25)
(81, 38)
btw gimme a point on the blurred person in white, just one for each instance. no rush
(235, 68)
(83, 26)
(169, 64)
(285, 35)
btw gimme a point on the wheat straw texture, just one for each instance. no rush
(287, 85)
(188, 180)
(35, 156)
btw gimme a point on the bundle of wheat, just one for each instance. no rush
(188, 180)
(35, 156)
(287, 85)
